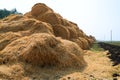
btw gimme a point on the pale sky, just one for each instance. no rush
(94, 17)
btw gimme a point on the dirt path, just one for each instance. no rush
(99, 68)
(114, 52)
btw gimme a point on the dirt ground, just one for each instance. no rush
(99, 68)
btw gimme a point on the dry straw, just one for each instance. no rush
(46, 50)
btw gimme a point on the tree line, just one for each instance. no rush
(5, 12)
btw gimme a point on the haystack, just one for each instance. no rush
(13, 17)
(61, 27)
(84, 43)
(7, 38)
(45, 50)
(62, 31)
(51, 18)
(73, 33)
(24, 26)
(38, 41)
(41, 27)
(16, 25)
(40, 8)
(79, 42)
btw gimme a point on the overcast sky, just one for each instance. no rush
(94, 17)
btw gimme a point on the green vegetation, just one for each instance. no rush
(5, 12)
(113, 42)
(96, 47)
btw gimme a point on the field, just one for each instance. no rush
(113, 42)
(95, 46)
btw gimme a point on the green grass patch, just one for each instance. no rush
(113, 42)
(96, 48)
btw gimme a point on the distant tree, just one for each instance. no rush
(5, 12)
(13, 11)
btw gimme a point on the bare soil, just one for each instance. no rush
(99, 68)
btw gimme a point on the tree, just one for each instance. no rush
(5, 12)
